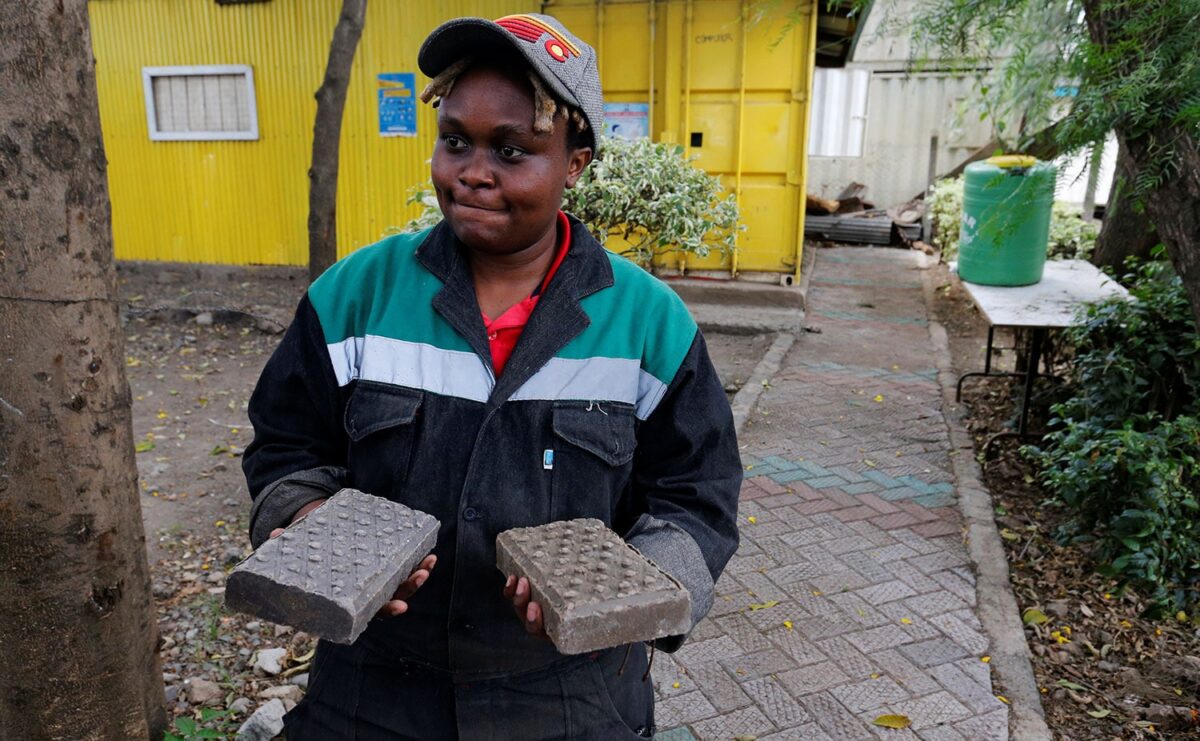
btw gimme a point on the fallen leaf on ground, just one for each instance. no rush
(1034, 616)
(893, 721)
(764, 605)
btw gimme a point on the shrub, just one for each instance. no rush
(1124, 456)
(1070, 236)
(646, 193)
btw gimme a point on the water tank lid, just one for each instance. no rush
(1006, 161)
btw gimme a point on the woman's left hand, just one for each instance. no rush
(527, 611)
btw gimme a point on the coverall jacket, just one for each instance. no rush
(609, 407)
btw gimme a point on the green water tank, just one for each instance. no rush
(1006, 220)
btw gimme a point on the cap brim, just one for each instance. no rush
(462, 37)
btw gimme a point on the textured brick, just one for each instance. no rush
(878, 594)
(722, 690)
(868, 694)
(940, 527)
(971, 640)
(688, 707)
(813, 678)
(838, 722)
(990, 727)
(595, 590)
(843, 653)
(747, 637)
(875, 639)
(801, 649)
(933, 651)
(330, 572)
(779, 707)
(964, 689)
(932, 710)
(745, 722)
(934, 603)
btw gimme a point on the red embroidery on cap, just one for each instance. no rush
(556, 50)
(530, 29)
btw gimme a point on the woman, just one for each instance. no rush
(500, 370)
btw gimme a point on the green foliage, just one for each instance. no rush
(1040, 65)
(651, 196)
(1070, 236)
(1124, 456)
(211, 724)
(646, 193)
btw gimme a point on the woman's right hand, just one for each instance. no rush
(397, 604)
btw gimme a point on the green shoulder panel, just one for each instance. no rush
(639, 317)
(382, 290)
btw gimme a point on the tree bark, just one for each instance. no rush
(1174, 204)
(1126, 232)
(78, 634)
(327, 132)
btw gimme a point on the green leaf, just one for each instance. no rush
(144, 446)
(893, 721)
(1009, 535)
(1034, 616)
(1102, 713)
(217, 450)
(1070, 685)
(185, 725)
(210, 733)
(764, 605)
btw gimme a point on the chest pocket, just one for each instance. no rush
(381, 421)
(593, 457)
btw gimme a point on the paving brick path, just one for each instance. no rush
(850, 525)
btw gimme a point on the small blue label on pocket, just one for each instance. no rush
(547, 459)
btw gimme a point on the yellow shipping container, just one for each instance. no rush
(728, 85)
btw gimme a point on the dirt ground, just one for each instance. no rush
(1105, 671)
(196, 341)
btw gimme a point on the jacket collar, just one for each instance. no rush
(557, 319)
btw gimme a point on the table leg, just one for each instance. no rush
(1035, 357)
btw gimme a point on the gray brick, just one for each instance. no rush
(721, 689)
(933, 651)
(956, 585)
(842, 581)
(858, 610)
(868, 694)
(802, 650)
(746, 636)
(875, 639)
(941, 733)
(838, 722)
(688, 707)
(940, 560)
(695, 654)
(888, 591)
(745, 722)
(845, 545)
(916, 680)
(964, 689)
(990, 727)
(932, 710)
(843, 653)
(813, 678)
(934, 603)
(759, 664)
(806, 732)
(807, 536)
(779, 707)
(970, 639)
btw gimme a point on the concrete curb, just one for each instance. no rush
(996, 603)
(747, 396)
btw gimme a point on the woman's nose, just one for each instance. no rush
(477, 171)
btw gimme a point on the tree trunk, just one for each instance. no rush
(1126, 231)
(77, 624)
(1174, 207)
(1174, 204)
(327, 132)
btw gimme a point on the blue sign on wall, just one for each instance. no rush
(397, 104)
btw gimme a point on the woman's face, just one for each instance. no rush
(500, 184)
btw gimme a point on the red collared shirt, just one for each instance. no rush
(504, 331)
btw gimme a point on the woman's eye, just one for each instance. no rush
(454, 142)
(508, 152)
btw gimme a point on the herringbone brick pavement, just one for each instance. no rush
(851, 595)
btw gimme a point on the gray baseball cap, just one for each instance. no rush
(559, 58)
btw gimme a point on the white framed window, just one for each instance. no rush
(201, 103)
(839, 112)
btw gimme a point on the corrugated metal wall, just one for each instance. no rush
(733, 92)
(903, 112)
(246, 202)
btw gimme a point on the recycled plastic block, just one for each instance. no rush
(596, 591)
(330, 572)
